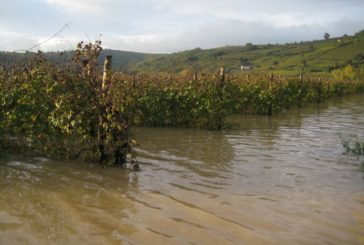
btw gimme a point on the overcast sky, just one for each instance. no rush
(173, 25)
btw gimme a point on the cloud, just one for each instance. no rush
(279, 13)
(224, 32)
(10, 41)
(15, 41)
(173, 25)
(217, 33)
(77, 7)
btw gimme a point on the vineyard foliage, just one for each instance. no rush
(57, 111)
(62, 113)
(176, 101)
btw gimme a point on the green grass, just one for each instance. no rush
(314, 57)
(317, 57)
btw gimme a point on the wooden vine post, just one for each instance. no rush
(113, 126)
(271, 77)
(195, 76)
(106, 73)
(220, 87)
(104, 109)
(222, 77)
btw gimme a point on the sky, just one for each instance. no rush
(165, 26)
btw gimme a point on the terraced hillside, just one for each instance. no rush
(314, 57)
(320, 56)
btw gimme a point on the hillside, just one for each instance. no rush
(122, 60)
(319, 56)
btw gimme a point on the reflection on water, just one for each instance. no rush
(270, 180)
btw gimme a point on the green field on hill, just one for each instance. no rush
(318, 57)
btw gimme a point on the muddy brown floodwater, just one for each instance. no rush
(270, 180)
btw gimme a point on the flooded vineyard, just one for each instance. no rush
(279, 179)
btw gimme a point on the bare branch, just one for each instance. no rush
(53, 36)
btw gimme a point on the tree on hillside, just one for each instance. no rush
(360, 33)
(250, 46)
(327, 36)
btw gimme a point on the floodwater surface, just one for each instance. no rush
(270, 180)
